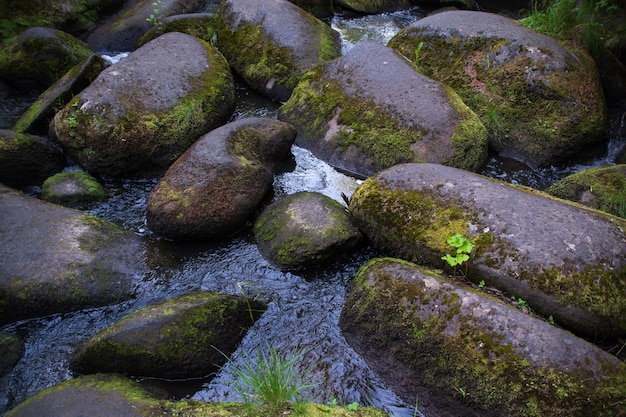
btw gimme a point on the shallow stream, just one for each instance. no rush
(303, 308)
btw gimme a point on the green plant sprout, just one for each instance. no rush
(155, 18)
(417, 51)
(463, 248)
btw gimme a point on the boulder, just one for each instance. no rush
(142, 113)
(120, 32)
(189, 336)
(563, 259)
(304, 229)
(36, 119)
(72, 189)
(28, 159)
(271, 44)
(463, 353)
(370, 110)
(373, 6)
(106, 395)
(215, 187)
(200, 25)
(541, 102)
(40, 55)
(56, 259)
(600, 188)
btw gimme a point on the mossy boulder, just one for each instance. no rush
(55, 259)
(215, 187)
(40, 55)
(71, 16)
(541, 101)
(371, 109)
(11, 351)
(563, 259)
(200, 25)
(303, 229)
(106, 395)
(142, 113)
(28, 159)
(271, 44)
(121, 31)
(184, 337)
(36, 119)
(72, 189)
(462, 353)
(600, 188)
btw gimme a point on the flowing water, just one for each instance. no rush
(303, 308)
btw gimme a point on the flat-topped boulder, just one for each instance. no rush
(462, 352)
(563, 259)
(371, 109)
(541, 101)
(56, 259)
(142, 113)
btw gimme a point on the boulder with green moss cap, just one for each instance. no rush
(188, 336)
(41, 55)
(371, 109)
(271, 44)
(215, 187)
(142, 113)
(541, 101)
(463, 353)
(72, 189)
(305, 229)
(600, 188)
(563, 259)
(56, 259)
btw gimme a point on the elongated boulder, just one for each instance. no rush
(600, 188)
(36, 119)
(120, 32)
(28, 159)
(370, 110)
(305, 229)
(271, 44)
(56, 259)
(41, 55)
(185, 337)
(462, 353)
(540, 101)
(200, 25)
(214, 188)
(564, 260)
(142, 113)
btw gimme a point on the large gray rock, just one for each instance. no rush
(120, 32)
(28, 159)
(56, 259)
(463, 353)
(540, 101)
(142, 113)
(185, 337)
(371, 109)
(214, 188)
(305, 229)
(271, 44)
(564, 260)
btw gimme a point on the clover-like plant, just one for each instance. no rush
(461, 255)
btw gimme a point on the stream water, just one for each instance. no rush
(303, 308)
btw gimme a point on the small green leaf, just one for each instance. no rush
(353, 406)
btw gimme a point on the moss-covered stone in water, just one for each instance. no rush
(72, 188)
